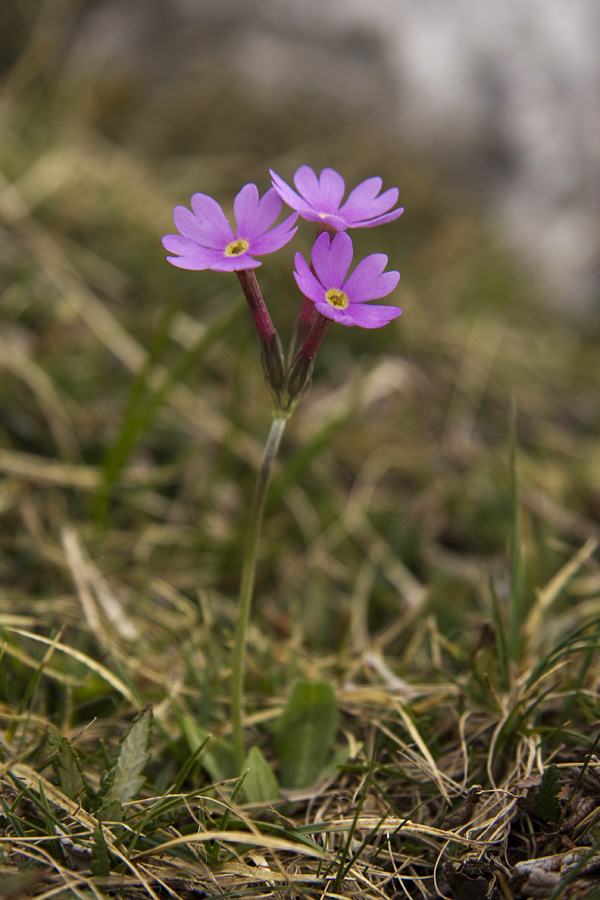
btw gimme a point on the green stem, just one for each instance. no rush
(247, 586)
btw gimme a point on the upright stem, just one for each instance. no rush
(247, 586)
(257, 305)
(314, 337)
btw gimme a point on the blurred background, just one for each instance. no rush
(487, 118)
(503, 99)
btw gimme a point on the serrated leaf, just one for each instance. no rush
(100, 861)
(305, 733)
(260, 784)
(69, 771)
(111, 812)
(549, 789)
(124, 779)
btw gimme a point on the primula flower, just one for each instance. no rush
(207, 240)
(318, 199)
(344, 299)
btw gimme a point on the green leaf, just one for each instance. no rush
(305, 733)
(260, 784)
(111, 812)
(124, 779)
(548, 794)
(217, 757)
(69, 771)
(100, 862)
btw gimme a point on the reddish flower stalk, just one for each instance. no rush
(257, 305)
(301, 369)
(271, 351)
(315, 336)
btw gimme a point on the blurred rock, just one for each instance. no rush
(504, 95)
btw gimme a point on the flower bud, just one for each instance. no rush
(273, 363)
(299, 379)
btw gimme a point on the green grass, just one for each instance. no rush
(429, 550)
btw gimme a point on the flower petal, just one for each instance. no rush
(368, 281)
(331, 258)
(330, 312)
(310, 286)
(234, 263)
(371, 316)
(190, 254)
(269, 207)
(322, 218)
(175, 243)
(307, 185)
(184, 262)
(245, 208)
(254, 215)
(361, 197)
(276, 238)
(332, 190)
(215, 230)
(325, 193)
(378, 220)
(363, 202)
(289, 196)
(201, 232)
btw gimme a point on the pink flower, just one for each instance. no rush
(318, 199)
(344, 299)
(207, 240)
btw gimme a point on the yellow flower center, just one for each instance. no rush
(337, 299)
(237, 247)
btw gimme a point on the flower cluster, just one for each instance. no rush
(206, 240)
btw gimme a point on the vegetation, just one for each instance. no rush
(423, 656)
